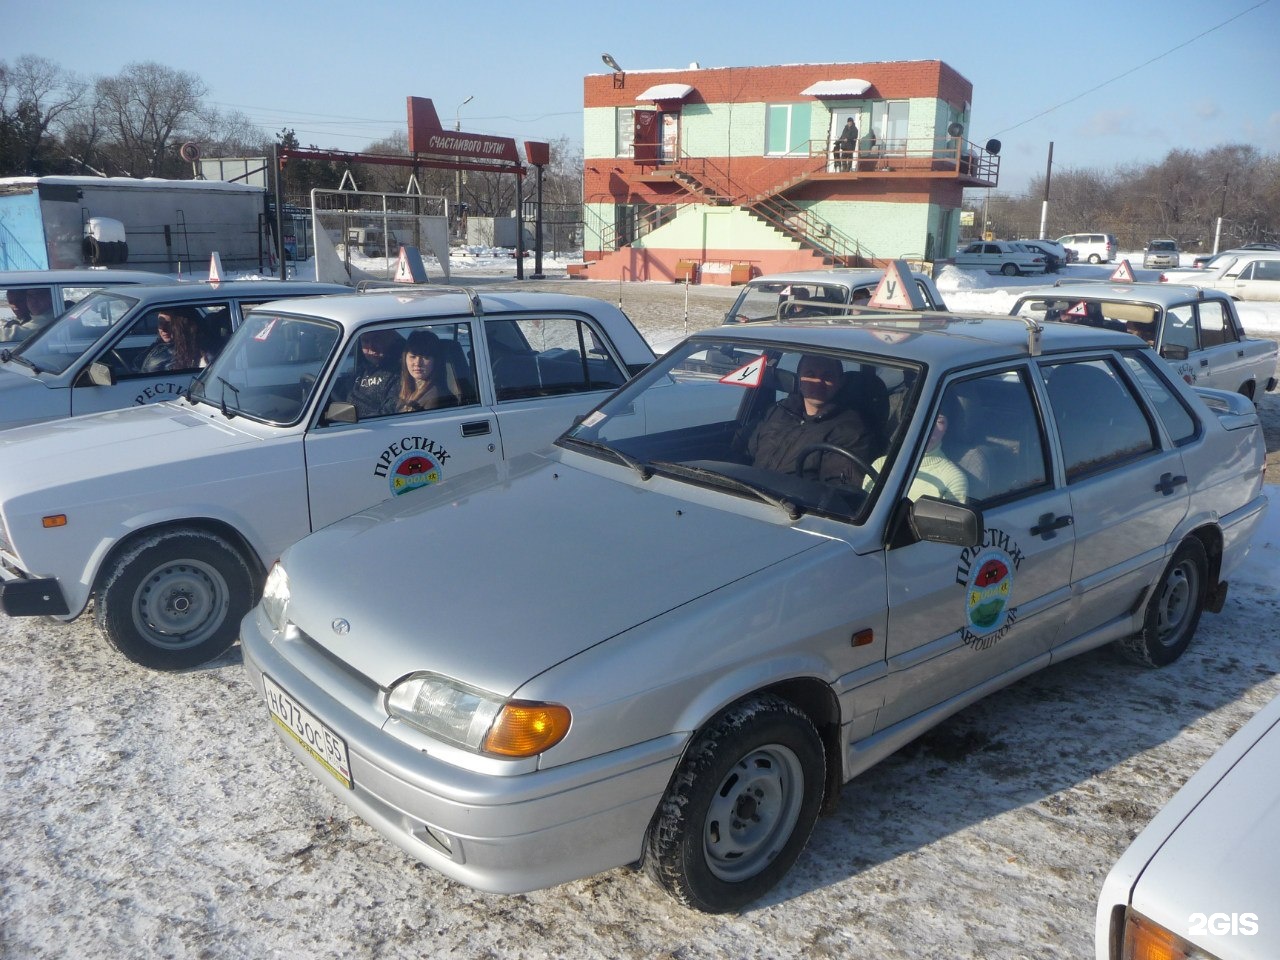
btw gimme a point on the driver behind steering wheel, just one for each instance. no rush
(813, 414)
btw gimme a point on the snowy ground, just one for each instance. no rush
(156, 814)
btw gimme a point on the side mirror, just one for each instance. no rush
(1175, 352)
(340, 412)
(941, 522)
(101, 375)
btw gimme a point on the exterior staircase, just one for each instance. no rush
(706, 183)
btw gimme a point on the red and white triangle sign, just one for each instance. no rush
(1079, 310)
(1124, 272)
(748, 375)
(215, 269)
(895, 290)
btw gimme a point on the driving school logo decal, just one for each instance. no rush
(987, 572)
(410, 463)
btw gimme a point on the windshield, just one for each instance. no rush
(806, 431)
(269, 368)
(71, 336)
(761, 299)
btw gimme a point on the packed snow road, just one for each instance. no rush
(153, 814)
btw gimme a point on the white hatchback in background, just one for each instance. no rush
(1200, 881)
(1001, 256)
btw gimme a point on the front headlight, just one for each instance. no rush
(475, 719)
(275, 597)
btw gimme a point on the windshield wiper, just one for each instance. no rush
(8, 355)
(642, 469)
(223, 400)
(792, 509)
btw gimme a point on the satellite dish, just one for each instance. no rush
(955, 129)
(189, 151)
(993, 147)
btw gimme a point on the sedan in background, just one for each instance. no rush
(1001, 256)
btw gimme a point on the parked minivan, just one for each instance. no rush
(1093, 247)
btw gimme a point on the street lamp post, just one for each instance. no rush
(457, 174)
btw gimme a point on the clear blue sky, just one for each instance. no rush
(1109, 83)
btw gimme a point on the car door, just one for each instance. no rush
(546, 370)
(1128, 487)
(390, 453)
(1260, 280)
(958, 617)
(1222, 362)
(125, 355)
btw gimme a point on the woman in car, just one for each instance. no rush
(177, 345)
(425, 379)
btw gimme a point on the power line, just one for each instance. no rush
(1147, 63)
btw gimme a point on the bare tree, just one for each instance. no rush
(145, 110)
(37, 97)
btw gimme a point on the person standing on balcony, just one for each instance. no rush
(846, 147)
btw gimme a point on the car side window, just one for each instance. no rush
(991, 431)
(194, 335)
(393, 371)
(1215, 324)
(1178, 421)
(548, 356)
(1180, 328)
(1101, 424)
(1266, 270)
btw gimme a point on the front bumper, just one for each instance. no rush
(24, 597)
(502, 834)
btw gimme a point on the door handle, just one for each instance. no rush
(1048, 525)
(1204, 361)
(1168, 482)
(475, 428)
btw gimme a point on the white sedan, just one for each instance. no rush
(1001, 256)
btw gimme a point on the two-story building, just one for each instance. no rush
(736, 171)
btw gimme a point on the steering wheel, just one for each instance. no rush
(832, 448)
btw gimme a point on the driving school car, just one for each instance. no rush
(89, 359)
(647, 646)
(169, 514)
(1197, 331)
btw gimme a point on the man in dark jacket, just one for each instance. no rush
(377, 371)
(813, 415)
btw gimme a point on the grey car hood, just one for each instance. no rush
(569, 557)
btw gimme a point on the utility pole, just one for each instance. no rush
(1044, 205)
(457, 174)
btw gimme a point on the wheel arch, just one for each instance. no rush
(1210, 537)
(219, 528)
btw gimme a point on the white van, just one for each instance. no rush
(1093, 247)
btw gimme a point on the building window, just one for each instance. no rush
(787, 129)
(625, 136)
(889, 123)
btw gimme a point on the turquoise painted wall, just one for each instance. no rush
(22, 244)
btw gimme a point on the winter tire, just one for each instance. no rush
(1173, 610)
(740, 806)
(175, 599)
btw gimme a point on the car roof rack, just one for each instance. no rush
(423, 289)
(917, 319)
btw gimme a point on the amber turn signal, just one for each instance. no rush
(525, 729)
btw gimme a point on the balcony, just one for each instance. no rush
(938, 159)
